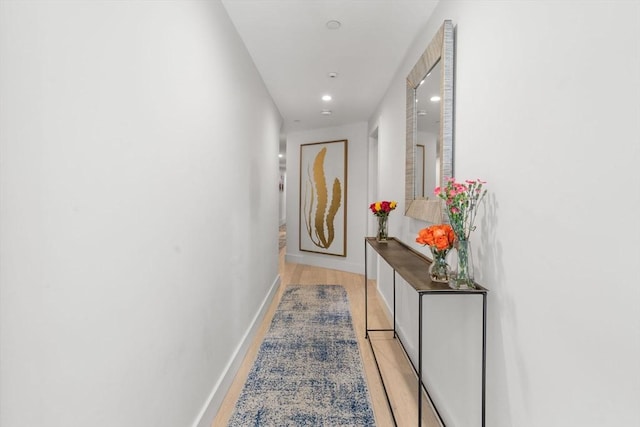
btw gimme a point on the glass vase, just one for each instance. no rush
(462, 275)
(382, 235)
(439, 270)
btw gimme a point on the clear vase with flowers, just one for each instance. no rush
(462, 201)
(382, 210)
(440, 239)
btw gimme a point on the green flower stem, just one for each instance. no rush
(383, 231)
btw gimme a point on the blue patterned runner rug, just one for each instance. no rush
(308, 371)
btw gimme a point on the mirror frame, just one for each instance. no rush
(441, 48)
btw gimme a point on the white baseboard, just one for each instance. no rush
(211, 407)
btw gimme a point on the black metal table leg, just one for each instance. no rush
(366, 319)
(419, 359)
(484, 357)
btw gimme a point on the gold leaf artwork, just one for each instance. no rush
(315, 223)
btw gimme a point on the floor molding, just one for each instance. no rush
(220, 389)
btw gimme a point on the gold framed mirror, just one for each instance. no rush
(430, 127)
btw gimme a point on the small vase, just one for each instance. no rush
(462, 275)
(439, 270)
(383, 229)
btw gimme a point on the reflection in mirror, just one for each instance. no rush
(427, 107)
(429, 149)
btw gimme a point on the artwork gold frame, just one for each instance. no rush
(323, 198)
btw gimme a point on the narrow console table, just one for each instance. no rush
(413, 268)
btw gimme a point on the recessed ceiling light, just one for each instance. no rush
(332, 75)
(434, 98)
(333, 24)
(326, 112)
(326, 97)
(280, 155)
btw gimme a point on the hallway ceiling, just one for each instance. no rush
(294, 52)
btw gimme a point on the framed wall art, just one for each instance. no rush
(323, 197)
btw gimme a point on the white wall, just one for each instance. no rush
(136, 249)
(357, 204)
(548, 112)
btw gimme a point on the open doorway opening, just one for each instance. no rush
(372, 194)
(282, 193)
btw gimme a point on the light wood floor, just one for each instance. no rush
(399, 376)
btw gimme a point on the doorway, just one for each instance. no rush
(372, 194)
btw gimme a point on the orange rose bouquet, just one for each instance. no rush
(440, 239)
